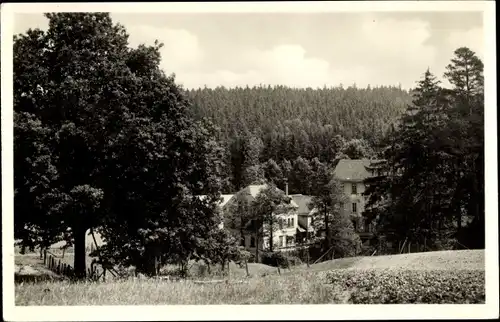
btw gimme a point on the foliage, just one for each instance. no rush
(102, 136)
(269, 203)
(345, 240)
(275, 259)
(429, 188)
(411, 286)
(278, 123)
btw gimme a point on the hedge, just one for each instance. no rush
(391, 286)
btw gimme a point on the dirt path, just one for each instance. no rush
(31, 268)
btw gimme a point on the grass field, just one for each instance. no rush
(348, 280)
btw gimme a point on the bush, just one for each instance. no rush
(411, 286)
(281, 259)
(274, 259)
(294, 260)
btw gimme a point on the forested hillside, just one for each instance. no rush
(281, 124)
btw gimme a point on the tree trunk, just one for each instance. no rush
(327, 232)
(257, 248)
(80, 254)
(271, 237)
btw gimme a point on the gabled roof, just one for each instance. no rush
(302, 202)
(225, 199)
(251, 192)
(352, 170)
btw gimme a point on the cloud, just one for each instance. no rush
(472, 38)
(380, 52)
(284, 64)
(181, 49)
(362, 49)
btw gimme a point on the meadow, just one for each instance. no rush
(433, 277)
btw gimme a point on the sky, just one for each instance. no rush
(299, 49)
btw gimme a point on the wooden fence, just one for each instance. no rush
(54, 263)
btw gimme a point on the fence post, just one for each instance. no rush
(246, 267)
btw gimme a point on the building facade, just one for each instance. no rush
(288, 232)
(352, 175)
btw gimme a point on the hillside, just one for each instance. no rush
(440, 260)
(281, 123)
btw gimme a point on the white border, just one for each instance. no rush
(254, 7)
(255, 312)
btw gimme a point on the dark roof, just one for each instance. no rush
(353, 170)
(250, 192)
(302, 201)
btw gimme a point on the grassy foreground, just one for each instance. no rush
(436, 277)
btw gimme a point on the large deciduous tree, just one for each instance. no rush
(267, 207)
(104, 141)
(328, 217)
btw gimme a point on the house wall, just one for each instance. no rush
(359, 200)
(289, 232)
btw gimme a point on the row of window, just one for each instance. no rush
(243, 243)
(288, 241)
(283, 242)
(367, 227)
(354, 207)
(354, 188)
(289, 223)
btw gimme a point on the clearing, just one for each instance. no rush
(300, 285)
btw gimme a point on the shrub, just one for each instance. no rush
(294, 260)
(274, 259)
(411, 286)
(281, 259)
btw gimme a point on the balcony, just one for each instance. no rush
(365, 235)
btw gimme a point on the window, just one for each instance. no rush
(291, 222)
(281, 223)
(252, 241)
(288, 222)
(242, 241)
(289, 240)
(281, 241)
(354, 188)
(367, 226)
(354, 207)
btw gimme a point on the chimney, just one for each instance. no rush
(286, 188)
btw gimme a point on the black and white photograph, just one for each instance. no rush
(249, 160)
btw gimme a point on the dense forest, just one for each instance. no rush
(261, 127)
(104, 140)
